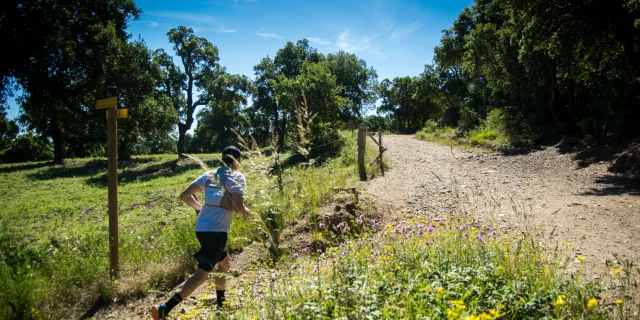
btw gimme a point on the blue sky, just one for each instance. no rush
(395, 37)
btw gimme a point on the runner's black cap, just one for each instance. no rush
(233, 151)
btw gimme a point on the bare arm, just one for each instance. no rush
(238, 205)
(187, 196)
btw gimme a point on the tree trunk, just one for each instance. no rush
(282, 130)
(182, 131)
(56, 136)
(124, 150)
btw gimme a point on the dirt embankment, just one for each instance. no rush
(543, 192)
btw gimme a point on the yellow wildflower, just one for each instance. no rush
(494, 313)
(559, 301)
(592, 303)
(580, 258)
(484, 316)
(440, 291)
(522, 300)
(617, 271)
(619, 301)
(452, 314)
(427, 288)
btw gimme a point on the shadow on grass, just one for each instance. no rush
(615, 185)
(24, 166)
(85, 168)
(168, 168)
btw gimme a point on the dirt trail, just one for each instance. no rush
(542, 192)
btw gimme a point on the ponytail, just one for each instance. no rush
(230, 156)
(228, 160)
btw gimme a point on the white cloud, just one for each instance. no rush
(319, 41)
(351, 44)
(191, 17)
(404, 31)
(152, 24)
(366, 39)
(222, 29)
(262, 33)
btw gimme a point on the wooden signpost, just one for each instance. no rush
(113, 113)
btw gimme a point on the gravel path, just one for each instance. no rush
(542, 192)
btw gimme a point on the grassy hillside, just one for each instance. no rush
(54, 224)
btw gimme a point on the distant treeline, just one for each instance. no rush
(522, 70)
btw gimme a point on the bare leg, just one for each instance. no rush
(222, 267)
(196, 280)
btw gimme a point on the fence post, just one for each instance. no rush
(380, 150)
(362, 143)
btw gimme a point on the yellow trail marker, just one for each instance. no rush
(107, 103)
(122, 114)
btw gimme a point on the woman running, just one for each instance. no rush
(224, 194)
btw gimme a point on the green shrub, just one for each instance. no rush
(433, 132)
(492, 131)
(326, 141)
(28, 147)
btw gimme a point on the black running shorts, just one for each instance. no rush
(211, 249)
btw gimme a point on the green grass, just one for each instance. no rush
(54, 225)
(457, 269)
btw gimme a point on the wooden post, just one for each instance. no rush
(380, 150)
(112, 150)
(362, 144)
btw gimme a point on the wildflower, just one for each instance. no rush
(319, 250)
(619, 301)
(404, 229)
(617, 271)
(462, 227)
(522, 300)
(488, 227)
(494, 313)
(465, 234)
(390, 227)
(452, 314)
(560, 300)
(479, 238)
(493, 233)
(427, 243)
(341, 225)
(373, 224)
(580, 258)
(305, 249)
(419, 233)
(320, 225)
(592, 303)
(440, 291)
(315, 269)
(295, 255)
(427, 288)
(398, 267)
